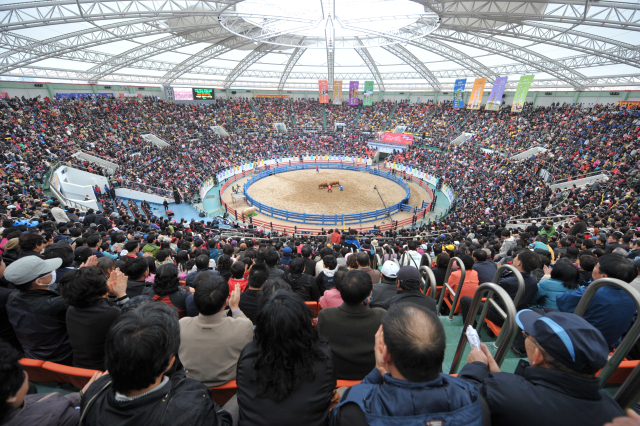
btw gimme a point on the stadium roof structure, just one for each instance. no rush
(421, 45)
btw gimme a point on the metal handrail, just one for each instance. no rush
(629, 393)
(510, 322)
(445, 286)
(496, 277)
(432, 281)
(631, 336)
(584, 176)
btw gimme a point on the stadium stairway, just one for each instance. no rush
(393, 110)
(324, 117)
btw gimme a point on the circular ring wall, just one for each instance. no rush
(328, 219)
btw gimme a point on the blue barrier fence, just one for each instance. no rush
(329, 219)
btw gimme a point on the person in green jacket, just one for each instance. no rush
(547, 229)
(151, 246)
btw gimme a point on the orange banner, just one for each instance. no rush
(271, 96)
(323, 87)
(476, 93)
(628, 104)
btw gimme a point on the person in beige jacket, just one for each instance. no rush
(210, 344)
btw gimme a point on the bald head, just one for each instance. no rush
(416, 341)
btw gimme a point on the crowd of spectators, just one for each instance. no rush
(374, 117)
(411, 115)
(274, 110)
(343, 113)
(308, 114)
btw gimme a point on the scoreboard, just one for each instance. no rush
(203, 94)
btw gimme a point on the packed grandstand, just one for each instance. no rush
(144, 282)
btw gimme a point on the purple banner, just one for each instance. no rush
(353, 92)
(495, 97)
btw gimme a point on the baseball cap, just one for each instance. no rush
(390, 269)
(408, 273)
(568, 338)
(450, 247)
(286, 249)
(30, 268)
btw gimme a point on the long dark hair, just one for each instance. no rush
(166, 280)
(286, 344)
(564, 271)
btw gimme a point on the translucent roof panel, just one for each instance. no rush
(287, 44)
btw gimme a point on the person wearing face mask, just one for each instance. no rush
(37, 314)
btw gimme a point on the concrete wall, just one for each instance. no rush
(140, 196)
(80, 177)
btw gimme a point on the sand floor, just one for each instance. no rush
(298, 191)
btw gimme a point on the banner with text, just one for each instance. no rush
(272, 96)
(323, 88)
(353, 92)
(367, 98)
(337, 92)
(476, 93)
(495, 97)
(458, 92)
(397, 138)
(521, 93)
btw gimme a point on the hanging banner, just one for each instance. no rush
(397, 138)
(368, 93)
(521, 93)
(353, 92)
(458, 92)
(476, 93)
(495, 97)
(323, 87)
(272, 96)
(337, 92)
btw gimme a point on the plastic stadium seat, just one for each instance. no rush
(36, 373)
(78, 377)
(494, 328)
(347, 383)
(622, 372)
(315, 308)
(223, 393)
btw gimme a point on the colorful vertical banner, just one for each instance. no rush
(353, 92)
(495, 97)
(337, 92)
(458, 92)
(521, 93)
(323, 88)
(368, 93)
(476, 93)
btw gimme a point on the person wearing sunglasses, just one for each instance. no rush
(557, 385)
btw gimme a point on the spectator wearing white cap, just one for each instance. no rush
(37, 314)
(387, 287)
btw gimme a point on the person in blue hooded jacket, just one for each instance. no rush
(214, 253)
(407, 387)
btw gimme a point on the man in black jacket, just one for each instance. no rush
(144, 385)
(350, 329)
(309, 263)
(408, 290)
(137, 271)
(557, 387)
(579, 227)
(202, 264)
(90, 217)
(388, 285)
(485, 268)
(37, 314)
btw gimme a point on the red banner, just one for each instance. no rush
(628, 104)
(397, 138)
(271, 96)
(4, 95)
(323, 88)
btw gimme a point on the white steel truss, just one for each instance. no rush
(410, 59)
(293, 60)
(487, 25)
(368, 60)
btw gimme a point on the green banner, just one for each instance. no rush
(521, 93)
(368, 93)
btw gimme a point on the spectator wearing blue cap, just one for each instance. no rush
(286, 256)
(557, 386)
